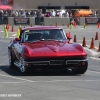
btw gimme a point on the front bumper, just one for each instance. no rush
(56, 62)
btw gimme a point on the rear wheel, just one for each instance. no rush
(81, 69)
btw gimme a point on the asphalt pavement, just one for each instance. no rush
(52, 85)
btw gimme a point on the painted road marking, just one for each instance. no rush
(51, 81)
(14, 35)
(17, 78)
(10, 82)
(2, 31)
(95, 58)
(26, 80)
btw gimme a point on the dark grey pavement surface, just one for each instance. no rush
(52, 85)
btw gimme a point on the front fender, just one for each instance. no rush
(80, 48)
(26, 52)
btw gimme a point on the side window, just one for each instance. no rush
(26, 37)
(22, 37)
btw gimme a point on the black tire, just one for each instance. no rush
(11, 60)
(81, 69)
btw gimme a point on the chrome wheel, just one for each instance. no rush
(22, 65)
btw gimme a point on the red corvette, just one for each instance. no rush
(46, 47)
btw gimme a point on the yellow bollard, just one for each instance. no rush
(6, 33)
(18, 33)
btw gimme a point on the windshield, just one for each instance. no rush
(35, 35)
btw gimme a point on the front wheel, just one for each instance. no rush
(11, 60)
(23, 68)
(81, 69)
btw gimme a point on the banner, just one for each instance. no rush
(20, 21)
(92, 20)
(6, 2)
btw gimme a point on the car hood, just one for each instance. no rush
(53, 48)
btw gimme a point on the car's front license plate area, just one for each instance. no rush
(56, 62)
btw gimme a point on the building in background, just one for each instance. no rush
(56, 4)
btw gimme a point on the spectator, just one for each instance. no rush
(53, 13)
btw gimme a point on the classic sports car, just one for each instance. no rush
(46, 47)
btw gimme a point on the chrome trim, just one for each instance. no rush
(78, 61)
(37, 62)
(48, 62)
(17, 64)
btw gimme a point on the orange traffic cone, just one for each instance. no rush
(12, 30)
(74, 23)
(84, 42)
(68, 34)
(96, 36)
(99, 25)
(92, 44)
(75, 40)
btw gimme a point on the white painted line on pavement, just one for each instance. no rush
(11, 37)
(94, 71)
(14, 35)
(94, 53)
(95, 58)
(31, 81)
(10, 82)
(69, 81)
(2, 31)
(17, 78)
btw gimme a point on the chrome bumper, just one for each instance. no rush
(56, 62)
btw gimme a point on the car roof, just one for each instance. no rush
(42, 28)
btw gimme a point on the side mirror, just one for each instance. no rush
(16, 39)
(69, 37)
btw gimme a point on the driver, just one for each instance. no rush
(54, 34)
